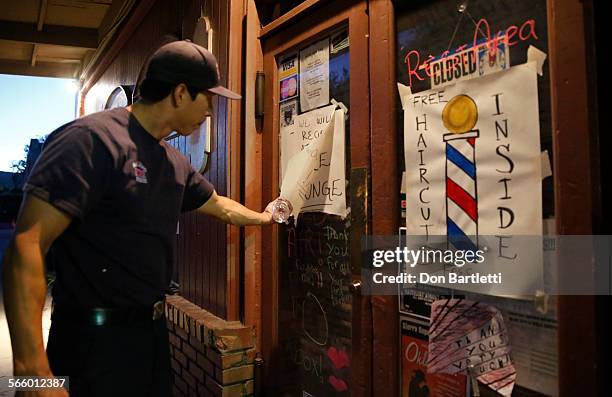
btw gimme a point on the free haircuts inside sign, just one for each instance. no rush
(473, 173)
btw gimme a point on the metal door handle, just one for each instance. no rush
(355, 287)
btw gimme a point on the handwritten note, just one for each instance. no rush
(472, 153)
(312, 162)
(470, 337)
(315, 305)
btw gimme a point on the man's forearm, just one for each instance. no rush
(25, 289)
(239, 215)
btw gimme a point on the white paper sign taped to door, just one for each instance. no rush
(313, 162)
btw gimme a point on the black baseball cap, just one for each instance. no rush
(186, 62)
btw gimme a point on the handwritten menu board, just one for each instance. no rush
(315, 305)
(315, 308)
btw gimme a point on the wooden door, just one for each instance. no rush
(315, 319)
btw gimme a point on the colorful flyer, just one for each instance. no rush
(288, 88)
(288, 111)
(288, 66)
(416, 382)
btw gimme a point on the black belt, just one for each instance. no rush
(109, 316)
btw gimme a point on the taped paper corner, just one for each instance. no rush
(546, 168)
(538, 56)
(404, 92)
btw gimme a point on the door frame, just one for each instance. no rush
(310, 27)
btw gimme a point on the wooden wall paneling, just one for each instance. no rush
(181, 237)
(214, 171)
(222, 178)
(207, 244)
(223, 30)
(217, 132)
(209, 227)
(218, 143)
(199, 257)
(213, 224)
(269, 252)
(186, 230)
(189, 224)
(359, 86)
(222, 161)
(132, 50)
(363, 378)
(234, 156)
(184, 284)
(253, 178)
(208, 265)
(574, 187)
(363, 382)
(99, 70)
(385, 186)
(180, 249)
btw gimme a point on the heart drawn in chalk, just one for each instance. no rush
(338, 357)
(338, 384)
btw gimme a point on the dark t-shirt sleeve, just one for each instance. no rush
(197, 191)
(72, 171)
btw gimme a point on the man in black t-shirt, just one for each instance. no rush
(103, 201)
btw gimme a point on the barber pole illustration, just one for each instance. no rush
(459, 117)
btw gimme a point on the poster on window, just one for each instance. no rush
(314, 76)
(416, 381)
(473, 171)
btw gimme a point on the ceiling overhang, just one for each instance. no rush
(54, 38)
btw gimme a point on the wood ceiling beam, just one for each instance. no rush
(57, 59)
(50, 34)
(42, 14)
(42, 69)
(109, 17)
(34, 55)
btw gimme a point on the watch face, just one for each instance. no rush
(120, 97)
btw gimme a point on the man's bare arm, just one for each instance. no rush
(230, 211)
(25, 287)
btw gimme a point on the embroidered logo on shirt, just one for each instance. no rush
(140, 171)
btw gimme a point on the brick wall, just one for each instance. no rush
(210, 356)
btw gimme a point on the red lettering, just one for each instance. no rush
(413, 70)
(526, 31)
(461, 48)
(494, 44)
(510, 33)
(477, 30)
(427, 65)
(531, 24)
